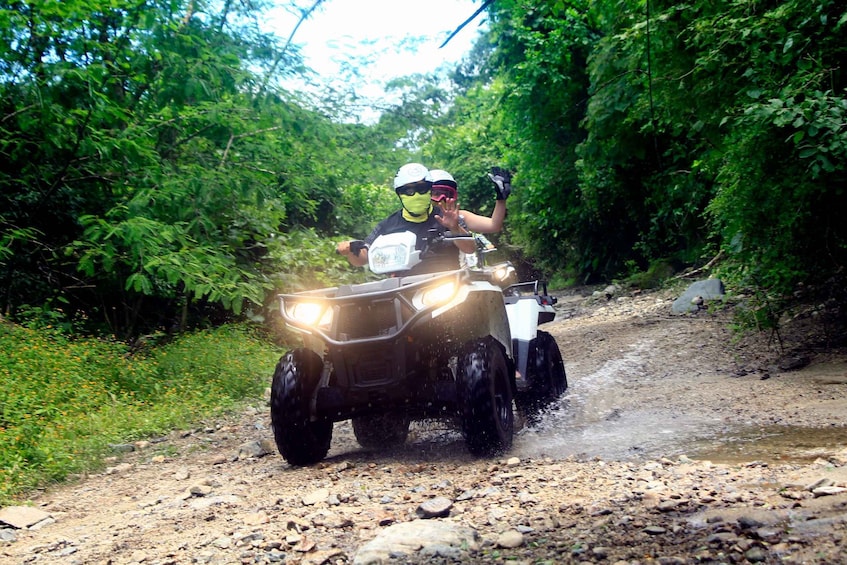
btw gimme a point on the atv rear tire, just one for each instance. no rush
(381, 430)
(545, 375)
(485, 398)
(299, 440)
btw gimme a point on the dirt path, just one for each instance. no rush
(221, 494)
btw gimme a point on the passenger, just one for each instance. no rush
(417, 214)
(445, 190)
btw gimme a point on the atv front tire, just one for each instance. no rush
(379, 431)
(300, 440)
(485, 398)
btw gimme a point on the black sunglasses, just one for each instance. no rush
(418, 187)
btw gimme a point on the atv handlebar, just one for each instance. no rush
(436, 240)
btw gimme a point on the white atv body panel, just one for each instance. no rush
(523, 318)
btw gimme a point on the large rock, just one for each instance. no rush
(697, 295)
(423, 537)
(21, 517)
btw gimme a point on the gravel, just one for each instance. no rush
(222, 494)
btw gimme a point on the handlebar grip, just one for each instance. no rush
(357, 246)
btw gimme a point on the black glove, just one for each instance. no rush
(502, 180)
(357, 246)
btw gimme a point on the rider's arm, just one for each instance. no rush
(483, 224)
(502, 180)
(464, 245)
(348, 248)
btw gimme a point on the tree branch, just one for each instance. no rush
(304, 15)
(16, 112)
(701, 269)
(239, 136)
(466, 22)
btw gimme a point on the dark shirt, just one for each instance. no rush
(444, 257)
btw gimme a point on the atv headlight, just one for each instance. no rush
(435, 295)
(310, 313)
(504, 273)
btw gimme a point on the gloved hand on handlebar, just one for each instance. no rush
(502, 180)
(350, 247)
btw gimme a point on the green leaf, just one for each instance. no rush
(788, 44)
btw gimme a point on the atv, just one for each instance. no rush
(404, 348)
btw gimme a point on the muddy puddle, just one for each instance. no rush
(775, 444)
(625, 411)
(642, 435)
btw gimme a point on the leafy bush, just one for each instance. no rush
(63, 401)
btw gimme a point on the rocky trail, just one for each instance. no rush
(663, 390)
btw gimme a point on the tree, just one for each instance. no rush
(651, 131)
(148, 167)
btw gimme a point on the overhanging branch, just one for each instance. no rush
(466, 22)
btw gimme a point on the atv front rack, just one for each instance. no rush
(378, 311)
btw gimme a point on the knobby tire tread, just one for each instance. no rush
(299, 440)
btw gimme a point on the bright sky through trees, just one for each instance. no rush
(363, 43)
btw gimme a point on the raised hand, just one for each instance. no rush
(449, 217)
(502, 180)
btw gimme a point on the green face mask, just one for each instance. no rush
(416, 207)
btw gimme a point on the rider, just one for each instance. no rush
(419, 215)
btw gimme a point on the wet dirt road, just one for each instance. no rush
(644, 383)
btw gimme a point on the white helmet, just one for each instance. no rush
(409, 173)
(440, 176)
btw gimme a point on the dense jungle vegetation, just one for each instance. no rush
(156, 178)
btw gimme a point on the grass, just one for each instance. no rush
(63, 401)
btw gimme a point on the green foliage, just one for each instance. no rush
(781, 170)
(541, 53)
(362, 206)
(655, 276)
(146, 175)
(423, 102)
(308, 261)
(63, 401)
(643, 131)
(152, 179)
(469, 141)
